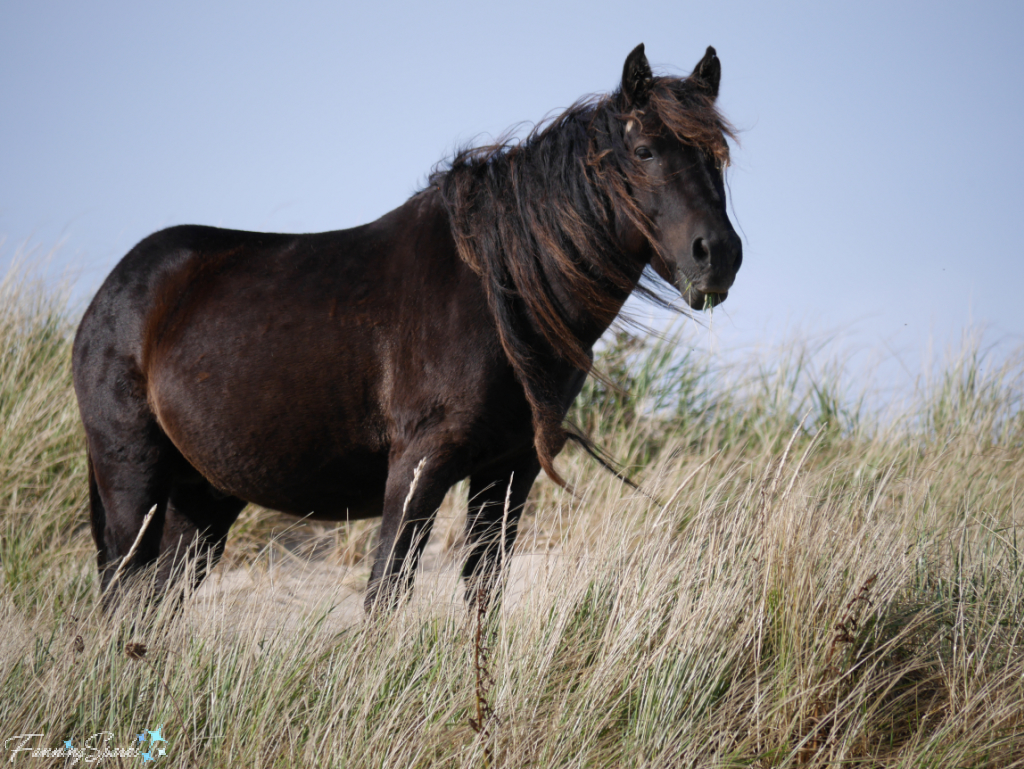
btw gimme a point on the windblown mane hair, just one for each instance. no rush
(537, 218)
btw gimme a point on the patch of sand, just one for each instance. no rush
(276, 593)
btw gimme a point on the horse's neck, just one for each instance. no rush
(586, 325)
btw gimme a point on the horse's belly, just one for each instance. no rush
(350, 488)
(326, 486)
(294, 454)
(291, 421)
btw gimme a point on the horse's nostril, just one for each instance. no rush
(700, 249)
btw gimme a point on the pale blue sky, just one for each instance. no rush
(879, 187)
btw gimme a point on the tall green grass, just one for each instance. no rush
(810, 582)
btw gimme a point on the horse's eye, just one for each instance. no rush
(643, 153)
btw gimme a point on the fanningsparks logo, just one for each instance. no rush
(150, 745)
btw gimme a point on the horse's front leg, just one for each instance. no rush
(496, 500)
(418, 478)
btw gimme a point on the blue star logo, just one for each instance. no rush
(156, 736)
(148, 757)
(68, 745)
(142, 737)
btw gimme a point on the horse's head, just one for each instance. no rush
(675, 152)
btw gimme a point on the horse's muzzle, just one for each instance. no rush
(704, 300)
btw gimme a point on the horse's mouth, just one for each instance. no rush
(704, 300)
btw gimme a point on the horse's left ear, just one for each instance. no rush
(636, 78)
(708, 73)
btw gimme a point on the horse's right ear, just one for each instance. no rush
(636, 78)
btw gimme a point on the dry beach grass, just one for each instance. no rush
(814, 585)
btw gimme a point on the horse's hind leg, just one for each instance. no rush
(496, 499)
(133, 466)
(191, 520)
(195, 530)
(130, 472)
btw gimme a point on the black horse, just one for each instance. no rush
(313, 374)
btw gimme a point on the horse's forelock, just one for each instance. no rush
(685, 109)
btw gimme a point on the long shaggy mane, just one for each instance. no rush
(536, 219)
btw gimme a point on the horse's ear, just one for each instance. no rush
(636, 78)
(708, 73)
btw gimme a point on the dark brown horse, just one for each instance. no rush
(313, 374)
